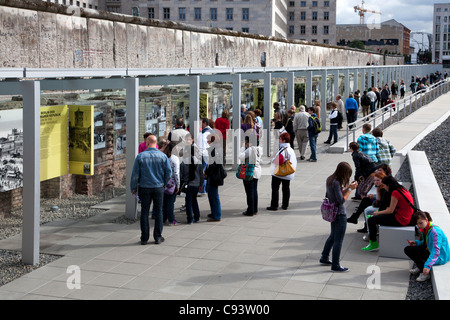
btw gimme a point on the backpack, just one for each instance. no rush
(317, 126)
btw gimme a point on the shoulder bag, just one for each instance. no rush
(284, 169)
(329, 210)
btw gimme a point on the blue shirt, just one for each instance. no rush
(351, 103)
(151, 169)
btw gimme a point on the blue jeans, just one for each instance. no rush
(205, 188)
(192, 204)
(335, 240)
(312, 144)
(251, 190)
(147, 195)
(168, 207)
(214, 202)
(373, 106)
(333, 133)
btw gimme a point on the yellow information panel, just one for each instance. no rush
(81, 140)
(53, 142)
(203, 105)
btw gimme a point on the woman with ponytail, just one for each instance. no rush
(432, 250)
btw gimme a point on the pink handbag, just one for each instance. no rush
(329, 210)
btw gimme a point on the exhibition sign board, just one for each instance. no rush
(81, 139)
(53, 142)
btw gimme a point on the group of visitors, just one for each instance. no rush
(180, 165)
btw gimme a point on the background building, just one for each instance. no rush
(389, 36)
(441, 22)
(90, 4)
(308, 20)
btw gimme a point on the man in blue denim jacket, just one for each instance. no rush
(151, 171)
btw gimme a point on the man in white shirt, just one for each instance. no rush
(334, 119)
(202, 142)
(340, 108)
(373, 99)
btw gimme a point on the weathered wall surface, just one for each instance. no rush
(92, 39)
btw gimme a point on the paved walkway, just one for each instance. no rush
(273, 255)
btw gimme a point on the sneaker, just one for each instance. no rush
(159, 240)
(414, 271)
(302, 158)
(422, 277)
(174, 223)
(373, 246)
(272, 208)
(213, 220)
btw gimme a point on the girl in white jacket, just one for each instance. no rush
(285, 153)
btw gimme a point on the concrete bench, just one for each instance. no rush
(393, 241)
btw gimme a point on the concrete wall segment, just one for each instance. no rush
(93, 39)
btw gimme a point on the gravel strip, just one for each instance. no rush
(77, 207)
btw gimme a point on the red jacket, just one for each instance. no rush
(222, 124)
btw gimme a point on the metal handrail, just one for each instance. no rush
(421, 97)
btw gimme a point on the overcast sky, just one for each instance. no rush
(416, 15)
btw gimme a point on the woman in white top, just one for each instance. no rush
(286, 153)
(251, 154)
(169, 199)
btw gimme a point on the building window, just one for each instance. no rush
(229, 14)
(291, 29)
(197, 13)
(314, 15)
(302, 29)
(325, 29)
(314, 3)
(291, 3)
(314, 30)
(325, 41)
(213, 14)
(245, 14)
(438, 19)
(303, 16)
(291, 16)
(166, 13)
(326, 3)
(151, 13)
(326, 16)
(302, 3)
(135, 11)
(246, 30)
(182, 13)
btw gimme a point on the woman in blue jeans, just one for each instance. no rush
(215, 174)
(251, 154)
(338, 191)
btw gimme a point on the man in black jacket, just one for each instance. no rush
(364, 165)
(385, 93)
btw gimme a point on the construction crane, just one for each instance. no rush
(362, 12)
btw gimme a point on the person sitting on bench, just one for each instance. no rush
(399, 213)
(432, 250)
